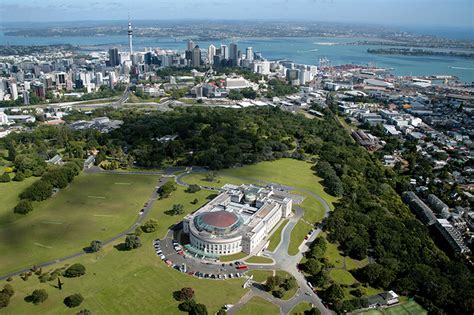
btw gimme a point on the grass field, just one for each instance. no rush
(275, 239)
(300, 308)
(258, 306)
(9, 198)
(298, 233)
(177, 197)
(313, 208)
(221, 180)
(342, 276)
(233, 257)
(122, 282)
(94, 206)
(259, 260)
(260, 275)
(287, 172)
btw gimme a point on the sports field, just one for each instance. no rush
(408, 308)
(94, 206)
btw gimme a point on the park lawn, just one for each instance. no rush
(313, 208)
(258, 306)
(342, 276)
(333, 255)
(290, 293)
(275, 239)
(289, 172)
(221, 180)
(260, 275)
(93, 206)
(299, 309)
(179, 196)
(233, 257)
(300, 230)
(9, 199)
(259, 260)
(122, 282)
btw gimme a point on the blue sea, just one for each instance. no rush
(299, 50)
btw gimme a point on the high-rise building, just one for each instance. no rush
(196, 57)
(249, 54)
(224, 52)
(211, 52)
(191, 45)
(113, 57)
(233, 54)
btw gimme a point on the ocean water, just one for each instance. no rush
(299, 50)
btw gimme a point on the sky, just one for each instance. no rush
(440, 13)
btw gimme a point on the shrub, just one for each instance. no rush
(23, 207)
(150, 226)
(198, 309)
(4, 300)
(8, 289)
(95, 246)
(19, 177)
(84, 312)
(186, 294)
(38, 191)
(75, 270)
(4, 178)
(73, 300)
(187, 306)
(39, 296)
(193, 188)
(278, 293)
(132, 242)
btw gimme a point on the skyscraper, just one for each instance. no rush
(196, 57)
(191, 45)
(233, 52)
(224, 52)
(113, 57)
(130, 35)
(211, 52)
(249, 54)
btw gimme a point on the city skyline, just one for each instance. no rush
(425, 13)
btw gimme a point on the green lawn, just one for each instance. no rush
(177, 197)
(94, 206)
(298, 234)
(260, 275)
(289, 172)
(258, 306)
(342, 276)
(233, 257)
(288, 294)
(9, 198)
(122, 282)
(221, 180)
(300, 308)
(313, 208)
(275, 239)
(259, 260)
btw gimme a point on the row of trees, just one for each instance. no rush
(188, 304)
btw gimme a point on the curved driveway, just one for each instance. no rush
(283, 260)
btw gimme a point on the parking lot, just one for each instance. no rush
(174, 255)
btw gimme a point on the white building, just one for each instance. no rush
(3, 118)
(211, 52)
(239, 219)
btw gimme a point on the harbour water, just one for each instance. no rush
(299, 50)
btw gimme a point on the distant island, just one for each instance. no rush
(419, 52)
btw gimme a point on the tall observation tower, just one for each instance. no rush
(130, 35)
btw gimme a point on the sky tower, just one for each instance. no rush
(130, 35)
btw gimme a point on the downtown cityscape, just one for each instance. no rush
(298, 165)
